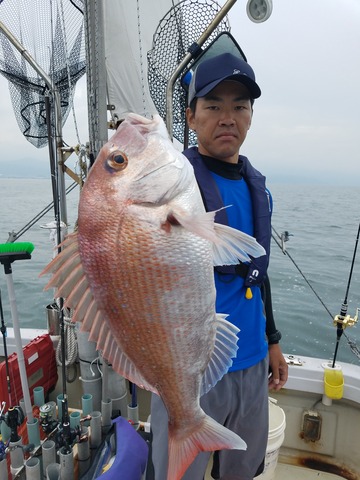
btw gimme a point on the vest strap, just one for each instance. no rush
(240, 269)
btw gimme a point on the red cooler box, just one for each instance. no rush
(40, 364)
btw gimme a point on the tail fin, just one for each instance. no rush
(210, 436)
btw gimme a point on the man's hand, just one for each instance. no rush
(278, 368)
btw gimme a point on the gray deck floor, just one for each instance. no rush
(287, 472)
(291, 472)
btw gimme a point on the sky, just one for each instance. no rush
(306, 124)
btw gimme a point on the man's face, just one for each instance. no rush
(221, 120)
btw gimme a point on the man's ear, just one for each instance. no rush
(190, 117)
(250, 119)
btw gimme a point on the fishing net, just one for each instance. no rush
(51, 31)
(177, 31)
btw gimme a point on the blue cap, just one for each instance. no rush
(226, 66)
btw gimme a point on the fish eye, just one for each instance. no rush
(117, 160)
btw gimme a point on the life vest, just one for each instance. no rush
(254, 273)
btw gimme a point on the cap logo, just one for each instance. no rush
(236, 71)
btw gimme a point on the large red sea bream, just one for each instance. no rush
(139, 275)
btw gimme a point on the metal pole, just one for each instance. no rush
(19, 349)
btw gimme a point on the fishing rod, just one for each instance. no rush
(280, 241)
(343, 320)
(57, 212)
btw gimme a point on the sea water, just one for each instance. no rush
(323, 223)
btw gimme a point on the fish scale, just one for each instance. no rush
(144, 287)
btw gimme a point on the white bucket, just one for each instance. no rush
(276, 437)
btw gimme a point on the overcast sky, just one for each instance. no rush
(306, 125)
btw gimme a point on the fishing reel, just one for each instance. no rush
(66, 436)
(47, 421)
(13, 418)
(346, 320)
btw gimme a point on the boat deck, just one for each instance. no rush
(289, 466)
(285, 472)
(293, 472)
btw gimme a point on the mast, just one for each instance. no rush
(96, 75)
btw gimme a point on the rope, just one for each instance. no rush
(71, 349)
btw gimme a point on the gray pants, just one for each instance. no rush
(238, 401)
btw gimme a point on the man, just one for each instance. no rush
(221, 96)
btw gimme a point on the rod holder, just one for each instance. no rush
(48, 454)
(3, 469)
(106, 410)
(39, 398)
(66, 464)
(75, 419)
(53, 471)
(133, 416)
(87, 403)
(33, 432)
(32, 469)
(5, 431)
(333, 381)
(83, 448)
(95, 429)
(16, 454)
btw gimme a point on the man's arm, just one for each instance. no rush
(278, 367)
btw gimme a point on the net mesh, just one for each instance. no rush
(51, 31)
(177, 31)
